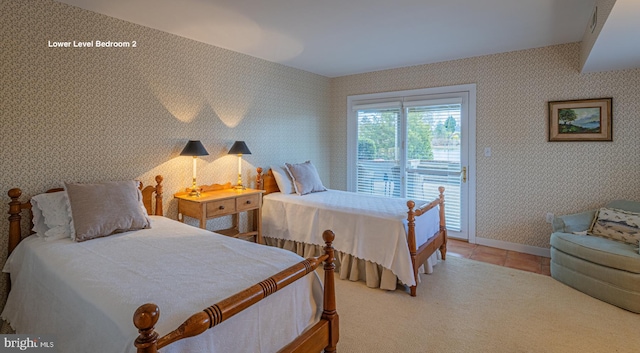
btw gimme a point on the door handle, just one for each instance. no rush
(464, 174)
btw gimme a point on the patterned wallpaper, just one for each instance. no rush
(90, 114)
(526, 176)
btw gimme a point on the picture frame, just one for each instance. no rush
(581, 120)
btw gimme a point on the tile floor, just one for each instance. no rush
(513, 259)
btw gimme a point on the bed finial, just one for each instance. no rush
(14, 194)
(159, 179)
(328, 236)
(145, 319)
(259, 179)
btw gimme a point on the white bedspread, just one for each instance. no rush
(86, 293)
(369, 227)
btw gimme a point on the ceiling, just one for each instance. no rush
(342, 37)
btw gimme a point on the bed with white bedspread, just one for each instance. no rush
(84, 293)
(384, 239)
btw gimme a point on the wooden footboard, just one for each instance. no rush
(321, 336)
(438, 241)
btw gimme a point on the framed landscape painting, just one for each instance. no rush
(580, 120)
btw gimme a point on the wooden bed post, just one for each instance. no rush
(443, 225)
(148, 194)
(329, 313)
(15, 230)
(411, 240)
(145, 319)
(15, 207)
(159, 211)
(259, 185)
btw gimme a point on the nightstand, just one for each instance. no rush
(222, 200)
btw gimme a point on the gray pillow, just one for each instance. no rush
(305, 178)
(99, 210)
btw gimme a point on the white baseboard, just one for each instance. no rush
(527, 249)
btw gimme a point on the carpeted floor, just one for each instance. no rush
(469, 306)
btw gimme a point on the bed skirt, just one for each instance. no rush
(350, 267)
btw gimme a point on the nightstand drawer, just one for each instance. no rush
(221, 207)
(248, 202)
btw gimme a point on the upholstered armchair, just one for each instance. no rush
(606, 267)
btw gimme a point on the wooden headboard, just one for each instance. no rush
(16, 207)
(266, 182)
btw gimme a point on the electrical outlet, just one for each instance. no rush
(549, 217)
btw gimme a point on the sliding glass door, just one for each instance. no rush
(436, 160)
(409, 146)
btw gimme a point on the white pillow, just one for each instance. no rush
(39, 226)
(283, 179)
(56, 215)
(305, 178)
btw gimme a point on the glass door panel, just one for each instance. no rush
(434, 150)
(379, 152)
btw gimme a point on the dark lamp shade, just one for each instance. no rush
(194, 148)
(239, 147)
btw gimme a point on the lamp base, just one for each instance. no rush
(195, 191)
(239, 185)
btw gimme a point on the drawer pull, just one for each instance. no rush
(221, 207)
(248, 202)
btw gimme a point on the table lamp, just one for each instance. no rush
(239, 148)
(194, 148)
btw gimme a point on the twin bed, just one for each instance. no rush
(86, 293)
(383, 240)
